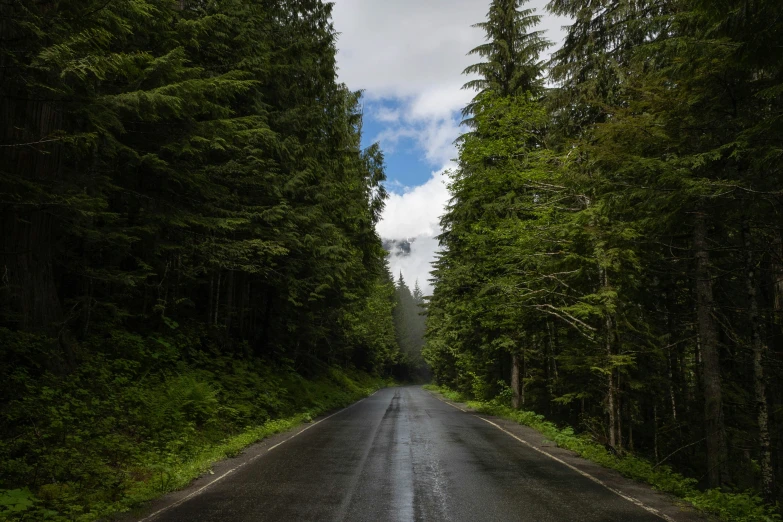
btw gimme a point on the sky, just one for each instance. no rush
(408, 57)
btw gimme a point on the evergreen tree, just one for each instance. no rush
(611, 251)
(182, 183)
(512, 53)
(409, 326)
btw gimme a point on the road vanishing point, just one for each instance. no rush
(403, 454)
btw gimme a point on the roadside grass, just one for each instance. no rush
(340, 390)
(733, 507)
(153, 437)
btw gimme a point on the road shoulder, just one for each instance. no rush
(221, 469)
(667, 506)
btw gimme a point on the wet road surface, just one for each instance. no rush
(403, 455)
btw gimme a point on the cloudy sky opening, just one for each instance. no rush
(408, 56)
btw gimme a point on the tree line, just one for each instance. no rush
(613, 248)
(185, 161)
(187, 221)
(409, 326)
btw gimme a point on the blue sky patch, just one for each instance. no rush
(406, 163)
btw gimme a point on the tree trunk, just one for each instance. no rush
(552, 362)
(711, 376)
(243, 300)
(611, 399)
(229, 311)
(217, 298)
(619, 415)
(610, 406)
(765, 449)
(28, 293)
(777, 271)
(516, 397)
(522, 378)
(655, 433)
(262, 334)
(759, 346)
(547, 370)
(671, 385)
(211, 297)
(88, 306)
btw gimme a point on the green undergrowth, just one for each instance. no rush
(143, 419)
(734, 507)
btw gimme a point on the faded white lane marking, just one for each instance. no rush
(450, 404)
(315, 423)
(251, 459)
(564, 463)
(585, 474)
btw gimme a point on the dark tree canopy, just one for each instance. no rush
(185, 211)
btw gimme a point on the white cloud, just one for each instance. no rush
(387, 114)
(417, 211)
(440, 101)
(417, 266)
(438, 140)
(415, 214)
(390, 137)
(404, 47)
(409, 48)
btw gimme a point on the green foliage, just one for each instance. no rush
(512, 51)
(371, 328)
(206, 164)
(187, 243)
(613, 242)
(121, 430)
(15, 502)
(736, 507)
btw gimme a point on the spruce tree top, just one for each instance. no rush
(512, 53)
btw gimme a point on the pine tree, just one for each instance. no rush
(512, 53)
(615, 237)
(182, 183)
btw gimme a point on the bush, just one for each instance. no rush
(138, 418)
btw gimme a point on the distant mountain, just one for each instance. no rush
(398, 247)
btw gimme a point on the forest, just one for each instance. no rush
(612, 255)
(188, 253)
(409, 316)
(189, 259)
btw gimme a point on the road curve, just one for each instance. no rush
(403, 455)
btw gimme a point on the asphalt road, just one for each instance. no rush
(403, 455)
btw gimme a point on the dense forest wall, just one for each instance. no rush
(612, 252)
(186, 214)
(184, 162)
(409, 325)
